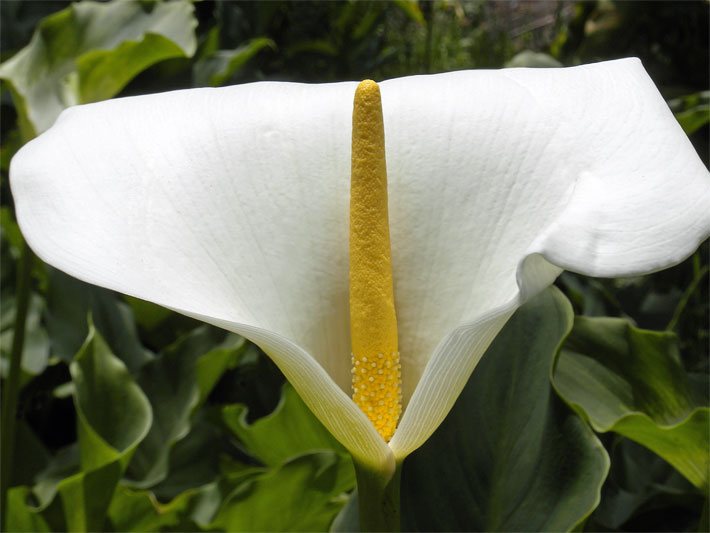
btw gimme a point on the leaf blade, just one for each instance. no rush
(510, 456)
(630, 381)
(89, 52)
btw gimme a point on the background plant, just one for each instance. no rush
(130, 417)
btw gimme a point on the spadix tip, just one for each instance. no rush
(367, 89)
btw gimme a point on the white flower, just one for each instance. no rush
(231, 206)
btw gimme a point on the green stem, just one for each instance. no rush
(700, 273)
(11, 389)
(378, 499)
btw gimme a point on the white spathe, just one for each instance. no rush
(231, 205)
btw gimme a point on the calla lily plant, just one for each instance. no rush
(235, 206)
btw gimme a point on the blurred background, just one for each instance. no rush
(241, 42)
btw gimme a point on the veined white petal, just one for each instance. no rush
(530, 171)
(641, 201)
(476, 175)
(231, 205)
(456, 357)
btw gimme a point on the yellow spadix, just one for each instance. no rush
(373, 323)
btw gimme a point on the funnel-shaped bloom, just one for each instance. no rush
(231, 205)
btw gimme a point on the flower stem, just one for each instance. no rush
(699, 275)
(11, 389)
(378, 499)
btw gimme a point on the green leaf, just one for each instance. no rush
(631, 381)
(290, 430)
(11, 244)
(69, 303)
(691, 120)
(134, 510)
(147, 314)
(510, 456)
(113, 416)
(411, 9)
(35, 353)
(35, 457)
(348, 518)
(64, 464)
(175, 383)
(194, 460)
(20, 515)
(304, 494)
(644, 493)
(219, 67)
(157, 325)
(10, 231)
(212, 365)
(692, 111)
(255, 382)
(90, 51)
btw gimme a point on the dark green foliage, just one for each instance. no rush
(631, 381)
(510, 456)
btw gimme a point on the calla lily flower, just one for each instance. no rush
(231, 205)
